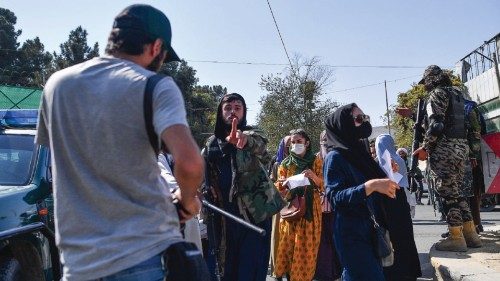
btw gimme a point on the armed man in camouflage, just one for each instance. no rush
(237, 182)
(445, 144)
(475, 127)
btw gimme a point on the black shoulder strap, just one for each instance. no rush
(148, 110)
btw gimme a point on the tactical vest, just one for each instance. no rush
(454, 123)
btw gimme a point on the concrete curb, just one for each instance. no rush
(481, 264)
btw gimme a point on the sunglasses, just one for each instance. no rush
(360, 118)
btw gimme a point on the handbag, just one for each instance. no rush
(382, 241)
(184, 262)
(295, 209)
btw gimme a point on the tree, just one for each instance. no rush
(201, 101)
(75, 50)
(33, 63)
(294, 100)
(8, 45)
(409, 99)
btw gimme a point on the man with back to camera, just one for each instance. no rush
(446, 145)
(113, 217)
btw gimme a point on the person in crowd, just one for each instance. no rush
(236, 181)
(299, 240)
(397, 211)
(445, 145)
(373, 153)
(191, 229)
(417, 176)
(282, 153)
(327, 265)
(403, 153)
(475, 128)
(353, 180)
(113, 217)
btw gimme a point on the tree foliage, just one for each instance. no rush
(75, 50)
(294, 100)
(30, 66)
(201, 101)
(409, 99)
(8, 44)
(34, 64)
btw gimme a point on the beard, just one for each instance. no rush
(156, 64)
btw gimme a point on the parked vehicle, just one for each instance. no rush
(27, 243)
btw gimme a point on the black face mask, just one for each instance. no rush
(364, 131)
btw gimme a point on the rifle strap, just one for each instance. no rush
(148, 110)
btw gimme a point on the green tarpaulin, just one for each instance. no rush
(19, 97)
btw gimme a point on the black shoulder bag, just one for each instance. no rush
(381, 239)
(183, 260)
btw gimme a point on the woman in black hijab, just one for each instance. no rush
(353, 180)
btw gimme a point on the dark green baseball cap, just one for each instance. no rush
(151, 21)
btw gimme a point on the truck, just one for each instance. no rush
(479, 71)
(27, 243)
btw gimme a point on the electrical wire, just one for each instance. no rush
(374, 84)
(279, 33)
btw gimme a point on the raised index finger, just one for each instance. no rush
(234, 128)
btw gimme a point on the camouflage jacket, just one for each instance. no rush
(251, 188)
(437, 105)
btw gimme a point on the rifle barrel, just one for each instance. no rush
(257, 229)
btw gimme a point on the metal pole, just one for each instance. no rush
(496, 71)
(387, 108)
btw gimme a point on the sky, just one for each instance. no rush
(365, 42)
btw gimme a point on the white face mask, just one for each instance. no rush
(298, 148)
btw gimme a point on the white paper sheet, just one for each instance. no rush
(394, 176)
(296, 181)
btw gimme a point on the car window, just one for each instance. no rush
(16, 158)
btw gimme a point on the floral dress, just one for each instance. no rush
(299, 240)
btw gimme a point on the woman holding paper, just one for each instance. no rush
(299, 240)
(406, 263)
(353, 180)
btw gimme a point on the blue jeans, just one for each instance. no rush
(149, 270)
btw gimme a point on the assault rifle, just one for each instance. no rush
(214, 250)
(418, 137)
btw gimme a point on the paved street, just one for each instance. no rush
(428, 230)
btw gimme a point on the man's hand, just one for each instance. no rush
(404, 111)
(421, 153)
(187, 207)
(236, 136)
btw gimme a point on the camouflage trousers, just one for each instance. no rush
(447, 167)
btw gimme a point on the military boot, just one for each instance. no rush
(470, 234)
(455, 242)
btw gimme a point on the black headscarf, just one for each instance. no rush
(342, 136)
(221, 128)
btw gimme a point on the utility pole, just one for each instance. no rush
(387, 108)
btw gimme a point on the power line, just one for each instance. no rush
(326, 65)
(374, 84)
(279, 33)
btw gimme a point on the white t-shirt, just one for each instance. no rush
(112, 210)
